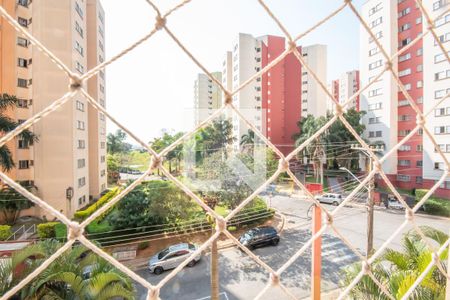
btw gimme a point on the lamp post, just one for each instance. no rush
(69, 196)
(370, 202)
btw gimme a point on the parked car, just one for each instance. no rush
(172, 257)
(330, 198)
(260, 236)
(395, 204)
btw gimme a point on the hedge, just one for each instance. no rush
(81, 215)
(434, 205)
(47, 230)
(60, 231)
(5, 232)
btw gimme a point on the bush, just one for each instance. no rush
(97, 227)
(60, 231)
(83, 214)
(47, 230)
(143, 245)
(5, 232)
(433, 205)
(232, 228)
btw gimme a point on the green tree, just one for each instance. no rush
(398, 270)
(116, 142)
(167, 139)
(68, 277)
(113, 167)
(8, 124)
(248, 141)
(152, 203)
(12, 203)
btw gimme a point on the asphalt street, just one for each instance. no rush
(242, 278)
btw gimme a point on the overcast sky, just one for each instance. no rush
(151, 88)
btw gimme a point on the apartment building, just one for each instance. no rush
(343, 88)
(273, 101)
(207, 96)
(62, 165)
(390, 117)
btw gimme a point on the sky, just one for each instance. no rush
(152, 87)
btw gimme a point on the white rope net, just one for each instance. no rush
(75, 229)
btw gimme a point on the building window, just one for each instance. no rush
(404, 12)
(418, 20)
(444, 111)
(81, 144)
(78, 28)
(82, 200)
(419, 52)
(438, 166)
(438, 4)
(419, 148)
(81, 163)
(404, 132)
(404, 148)
(419, 68)
(376, 22)
(378, 35)
(407, 86)
(22, 42)
(419, 84)
(404, 118)
(404, 178)
(22, 82)
(420, 131)
(440, 57)
(22, 103)
(442, 75)
(25, 164)
(78, 10)
(22, 3)
(100, 31)
(404, 42)
(404, 57)
(79, 67)
(22, 62)
(419, 164)
(102, 173)
(441, 93)
(442, 130)
(23, 22)
(81, 182)
(375, 106)
(102, 145)
(419, 179)
(102, 158)
(375, 64)
(80, 125)
(23, 144)
(404, 162)
(442, 20)
(404, 27)
(375, 9)
(80, 105)
(79, 48)
(443, 38)
(404, 72)
(374, 120)
(375, 92)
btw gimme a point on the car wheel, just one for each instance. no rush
(191, 263)
(158, 270)
(275, 242)
(335, 203)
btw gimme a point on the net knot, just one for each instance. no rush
(339, 109)
(409, 215)
(75, 83)
(283, 165)
(377, 166)
(221, 224)
(329, 219)
(160, 22)
(430, 26)
(365, 267)
(292, 45)
(388, 65)
(228, 98)
(420, 120)
(156, 162)
(274, 279)
(153, 294)
(75, 231)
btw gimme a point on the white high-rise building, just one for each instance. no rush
(436, 79)
(207, 96)
(314, 98)
(348, 86)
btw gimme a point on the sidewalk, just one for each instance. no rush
(223, 242)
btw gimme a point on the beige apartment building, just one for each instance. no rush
(67, 165)
(207, 96)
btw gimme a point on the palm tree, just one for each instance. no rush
(248, 141)
(76, 274)
(8, 124)
(399, 270)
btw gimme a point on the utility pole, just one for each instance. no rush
(370, 200)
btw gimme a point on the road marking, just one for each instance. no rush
(209, 297)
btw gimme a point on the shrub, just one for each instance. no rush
(96, 227)
(143, 245)
(5, 232)
(47, 230)
(83, 214)
(433, 205)
(60, 231)
(232, 228)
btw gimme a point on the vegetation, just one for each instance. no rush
(318, 150)
(13, 203)
(8, 124)
(47, 230)
(434, 205)
(115, 142)
(76, 274)
(83, 214)
(398, 270)
(5, 232)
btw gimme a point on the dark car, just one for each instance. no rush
(260, 236)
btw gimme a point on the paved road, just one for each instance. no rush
(241, 278)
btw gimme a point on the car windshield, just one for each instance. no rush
(247, 236)
(163, 253)
(192, 247)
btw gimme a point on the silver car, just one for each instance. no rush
(330, 198)
(172, 257)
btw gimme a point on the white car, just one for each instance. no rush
(395, 204)
(171, 257)
(330, 198)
